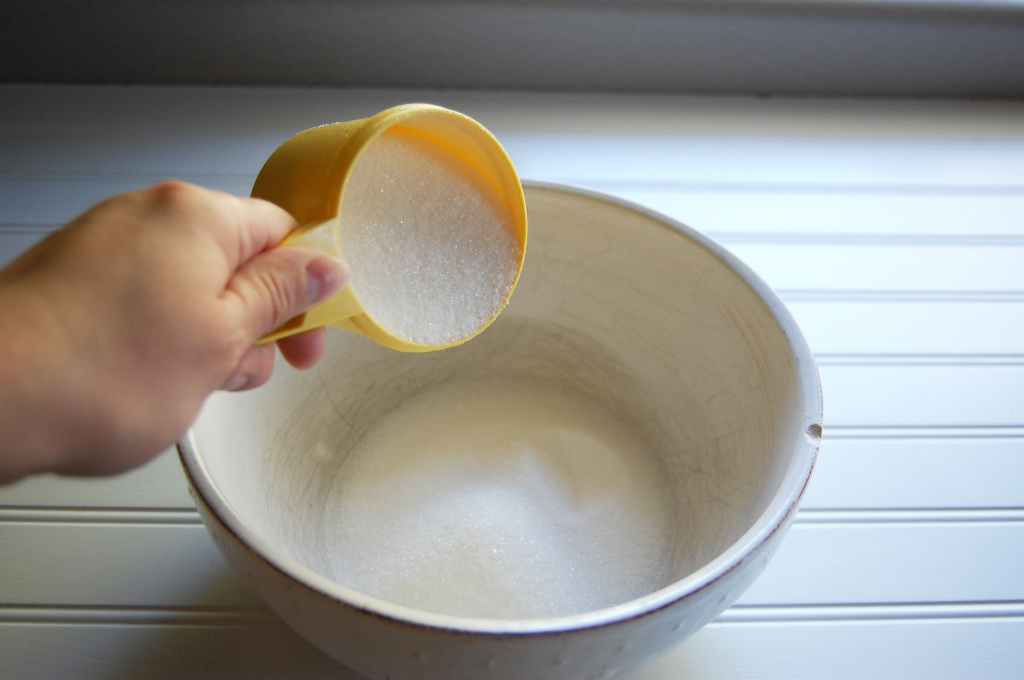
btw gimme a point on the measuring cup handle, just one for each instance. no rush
(335, 310)
(322, 235)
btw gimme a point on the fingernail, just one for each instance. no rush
(325, 276)
(235, 382)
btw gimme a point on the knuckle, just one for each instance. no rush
(171, 192)
(283, 297)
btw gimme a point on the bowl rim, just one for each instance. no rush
(776, 515)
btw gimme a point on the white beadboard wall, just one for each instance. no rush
(893, 229)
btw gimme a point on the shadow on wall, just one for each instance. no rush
(812, 47)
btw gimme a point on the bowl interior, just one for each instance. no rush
(686, 350)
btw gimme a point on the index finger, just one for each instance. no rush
(250, 226)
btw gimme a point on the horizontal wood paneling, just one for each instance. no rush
(922, 395)
(893, 231)
(105, 565)
(697, 162)
(881, 650)
(267, 650)
(158, 485)
(894, 562)
(853, 212)
(910, 327)
(881, 473)
(906, 267)
(52, 202)
(151, 153)
(770, 162)
(820, 563)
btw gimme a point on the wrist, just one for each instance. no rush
(30, 438)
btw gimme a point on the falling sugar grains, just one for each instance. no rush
(431, 245)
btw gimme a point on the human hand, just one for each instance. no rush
(117, 327)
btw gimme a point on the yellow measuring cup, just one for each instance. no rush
(308, 176)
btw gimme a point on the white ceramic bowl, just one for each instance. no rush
(652, 318)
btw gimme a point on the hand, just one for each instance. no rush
(116, 328)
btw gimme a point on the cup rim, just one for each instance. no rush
(776, 515)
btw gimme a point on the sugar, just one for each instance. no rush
(430, 245)
(502, 498)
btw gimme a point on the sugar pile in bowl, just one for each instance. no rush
(503, 497)
(431, 246)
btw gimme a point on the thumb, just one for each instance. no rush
(281, 283)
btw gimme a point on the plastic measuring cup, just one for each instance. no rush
(307, 176)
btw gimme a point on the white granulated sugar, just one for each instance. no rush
(504, 498)
(430, 245)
